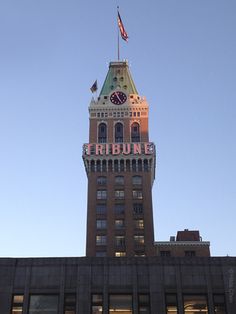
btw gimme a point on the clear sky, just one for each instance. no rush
(182, 58)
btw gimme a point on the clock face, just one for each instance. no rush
(118, 98)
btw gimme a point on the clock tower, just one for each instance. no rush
(120, 165)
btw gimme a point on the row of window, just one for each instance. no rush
(120, 240)
(120, 165)
(119, 180)
(195, 304)
(122, 303)
(186, 253)
(119, 223)
(41, 304)
(119, 209)
(119, 114)
(119, 194)
(119, 132)
(139, 253)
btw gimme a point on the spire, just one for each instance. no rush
(118, 78)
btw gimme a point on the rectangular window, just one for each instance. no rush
(190, 253)
(165, 253)
(101, 240)
(139, 240)
(139, 223)
(97, 304)
(119, 209)
(143, 304)
(120, 240)
(219, 304)
(101, 254)
(101, 209)
(171, 304)
(140, 253)
(41, 304)
(120, 254)
(101, 180)
(102, 194)
(137, 194)
(17, 304)
(196, 304)
(70, 304)
(121, 303)
(119, 180)
(119, 194)
(119, 223)
(138, 209)
(137, 180)
(101, 224)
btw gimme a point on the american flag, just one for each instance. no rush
(123, 33)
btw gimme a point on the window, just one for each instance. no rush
(101, 240)
(195, 304)
(190, 253)
(143, 304)
(41, 304)
(137, 180)
(101, 254)
(119, 223)
(119, 194)
(102, 133)
(135, 132)
(138, 208)
(140, 253)
(101, 209)
(120, 254)
(101, 224)
(101, 180)
(137, 194)
(119, 132)
(97, 301)
(120, 240)
(139, 240)
(165, 253)
(17, 304)
(219, 304)
(119, 209)
(121, 303)
(139, 223)
(102, 194)
(70, 304)
(119, 180)
(171, 304)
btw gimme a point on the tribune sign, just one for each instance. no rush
(147, 148)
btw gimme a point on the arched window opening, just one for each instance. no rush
(119, 133)
(135, 132)
(116, 166)
(102, 133)
(139, 165)
(98, 165)
(134, 165)
(145, 165)
(104, 165)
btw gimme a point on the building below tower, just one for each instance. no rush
(138, 285)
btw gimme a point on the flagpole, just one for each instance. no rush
(118, 37)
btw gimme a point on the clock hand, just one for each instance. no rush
(117, 95)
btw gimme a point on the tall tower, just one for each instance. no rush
(120, 165)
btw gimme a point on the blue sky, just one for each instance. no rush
(182, 58)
